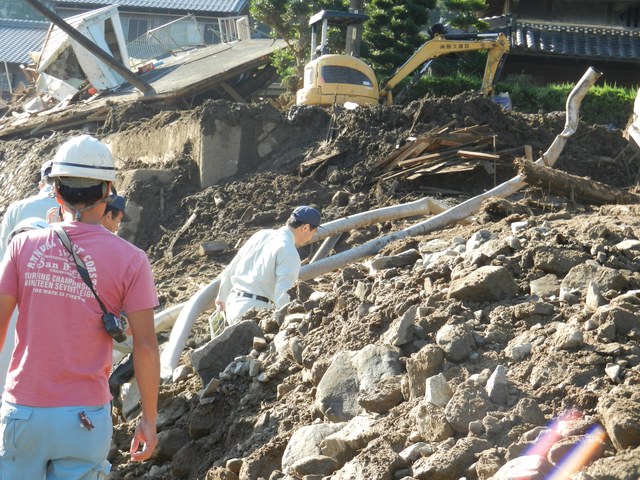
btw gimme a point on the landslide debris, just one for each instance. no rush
(451, 361)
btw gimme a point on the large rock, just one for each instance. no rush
(490, 283)
(169, 443)
(623, 466)
(469, 403)
(383, 396)
(604, 277)
(557, 260)
(623, 319)
(456, 342)
(556, 367)
(354, 436)
(422, 365)
(349, 374)
(305, 442)
(211, 359)
(378, 461)
(450, 463)
(431, 422)
(620, 413)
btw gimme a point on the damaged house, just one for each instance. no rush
(17, 39)
(149, 28)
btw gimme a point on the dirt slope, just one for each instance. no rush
(253, 420)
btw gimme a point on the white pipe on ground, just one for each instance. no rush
(162, 320)
(202, 300)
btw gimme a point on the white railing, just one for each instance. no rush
(185, 33)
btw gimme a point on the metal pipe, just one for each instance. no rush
(6, 69)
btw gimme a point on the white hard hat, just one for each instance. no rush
(30, 223)
(84, 157)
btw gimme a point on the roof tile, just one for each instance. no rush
(577, 41)
(19, 37)
(193, 6)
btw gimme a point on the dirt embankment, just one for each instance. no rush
(581, 357)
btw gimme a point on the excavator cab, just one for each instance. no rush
(335, 78)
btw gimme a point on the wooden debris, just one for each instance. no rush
(442, 150)
(313, 164)
(578, 189)
(169, 253)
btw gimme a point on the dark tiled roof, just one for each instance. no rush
(19, 37)
(576, 41)
(193, 6)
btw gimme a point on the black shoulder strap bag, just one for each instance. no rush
(112, 323)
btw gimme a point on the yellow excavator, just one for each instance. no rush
(337, 78)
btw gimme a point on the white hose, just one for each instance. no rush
(162, 320)
(202, 300)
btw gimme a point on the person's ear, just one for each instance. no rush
(106, 189)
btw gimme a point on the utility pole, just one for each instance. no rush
(128, 75)
(354, 32)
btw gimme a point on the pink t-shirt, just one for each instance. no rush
(62, 355)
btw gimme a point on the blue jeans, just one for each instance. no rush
(52, 443)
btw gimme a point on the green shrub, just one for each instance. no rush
(604, 104)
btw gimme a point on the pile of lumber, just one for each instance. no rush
(443, 151)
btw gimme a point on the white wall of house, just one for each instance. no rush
(212, 29)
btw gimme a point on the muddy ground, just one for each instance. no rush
(253, 421)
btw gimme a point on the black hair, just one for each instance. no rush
(112, 209)
(85, 196)
(293, 223)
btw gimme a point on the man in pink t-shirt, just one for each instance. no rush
(56, 400)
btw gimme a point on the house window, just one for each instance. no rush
(5, 80)
(631, 17)
(211, 33)
(136, 28)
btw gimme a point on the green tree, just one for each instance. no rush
(289, 20)
(464, 14)
(393, 32)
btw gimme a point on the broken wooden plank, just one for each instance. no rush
(478, 155)
(316, 162)
(409, 150)
(421, 159)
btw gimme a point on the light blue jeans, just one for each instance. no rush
(52, 443)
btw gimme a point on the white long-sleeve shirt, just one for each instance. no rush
(35, 206)
(268, 264)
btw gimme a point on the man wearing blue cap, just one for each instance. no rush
(266, 266)
(114, 213)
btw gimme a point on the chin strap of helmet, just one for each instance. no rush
(78, 211)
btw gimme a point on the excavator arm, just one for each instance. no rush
(496, 45)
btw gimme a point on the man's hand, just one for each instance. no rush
(145, 437)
